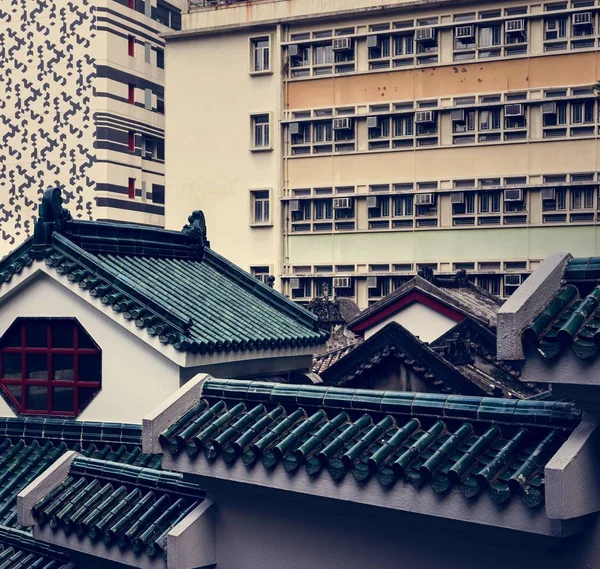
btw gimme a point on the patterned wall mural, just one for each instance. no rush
(46, 128)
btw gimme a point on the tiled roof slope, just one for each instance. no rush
(474, 444)
(18, 550)
(456, 292)
(572, 318)
(170, 283)
(326, 360)
(121, 505)
(29, 446)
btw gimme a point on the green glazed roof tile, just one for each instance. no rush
(132, 506)
(569, 320)
(476, 444)
(169, 283)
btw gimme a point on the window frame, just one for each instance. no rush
(253, 40)
(257, 197)
(50, 350)
(266, 127)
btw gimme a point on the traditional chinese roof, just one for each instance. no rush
(572, 317)
(169, 283)
(29, 446)
(119, 504)
(18, 550)
(475, 445)
(456, 295)
(471, 348)
(324, 361)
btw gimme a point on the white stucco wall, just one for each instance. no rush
(135, 377)
(422, 321)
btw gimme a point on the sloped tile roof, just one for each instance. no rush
(457, 293)
(169, 283)
(119, 504)
(29, 446)
(326, 360)
(570, 319)
(477, 445)
(18, 550)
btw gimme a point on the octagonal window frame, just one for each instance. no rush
(39, 352)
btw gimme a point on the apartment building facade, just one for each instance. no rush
(82, 107)
(350, 145)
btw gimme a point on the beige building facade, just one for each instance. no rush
(351, 144)
(82, 107)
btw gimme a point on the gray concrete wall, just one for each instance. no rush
(256, 531)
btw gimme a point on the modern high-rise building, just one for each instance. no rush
(82, 106)
(350, 144)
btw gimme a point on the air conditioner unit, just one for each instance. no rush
(293, 50)
(515, 25)
(551, 25)
(582, 19)
(341, 282)
(294, 128)
(425, 35)
(424, 117)
(464, 32)
(513, 195)
(295, 205)
(548, 193)
(371, 282)
(294, 284)
(342, 44)
(457, 115)
(424, 199)
(372, 122)
(513, 280)
(514, 110)
(372, 41)
(342, 203)
(342, 124)
(549, 108)
(371, 201)
(457, 197)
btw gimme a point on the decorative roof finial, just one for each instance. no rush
(196, 229)
(52, 217)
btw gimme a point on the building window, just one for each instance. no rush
(260, 132)
(131, 141)
(160, 104)
(160, 58)
(50, 366)
(131, 94)
(131, 188)
(261, 209)
(131, 46)
(261, 273)
(158, 194)
(131, 4)
(261, 57)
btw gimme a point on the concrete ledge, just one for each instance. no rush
(42, 486)
(527, 301)
(401, 497)
(193, 542)
(170, 410)
(572, 478)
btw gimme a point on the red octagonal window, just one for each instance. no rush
(50, 366)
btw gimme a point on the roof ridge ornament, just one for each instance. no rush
(195, 229)
(52, 216)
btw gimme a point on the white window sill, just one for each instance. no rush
(262, 224)
(262, 149)
(258, 73)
